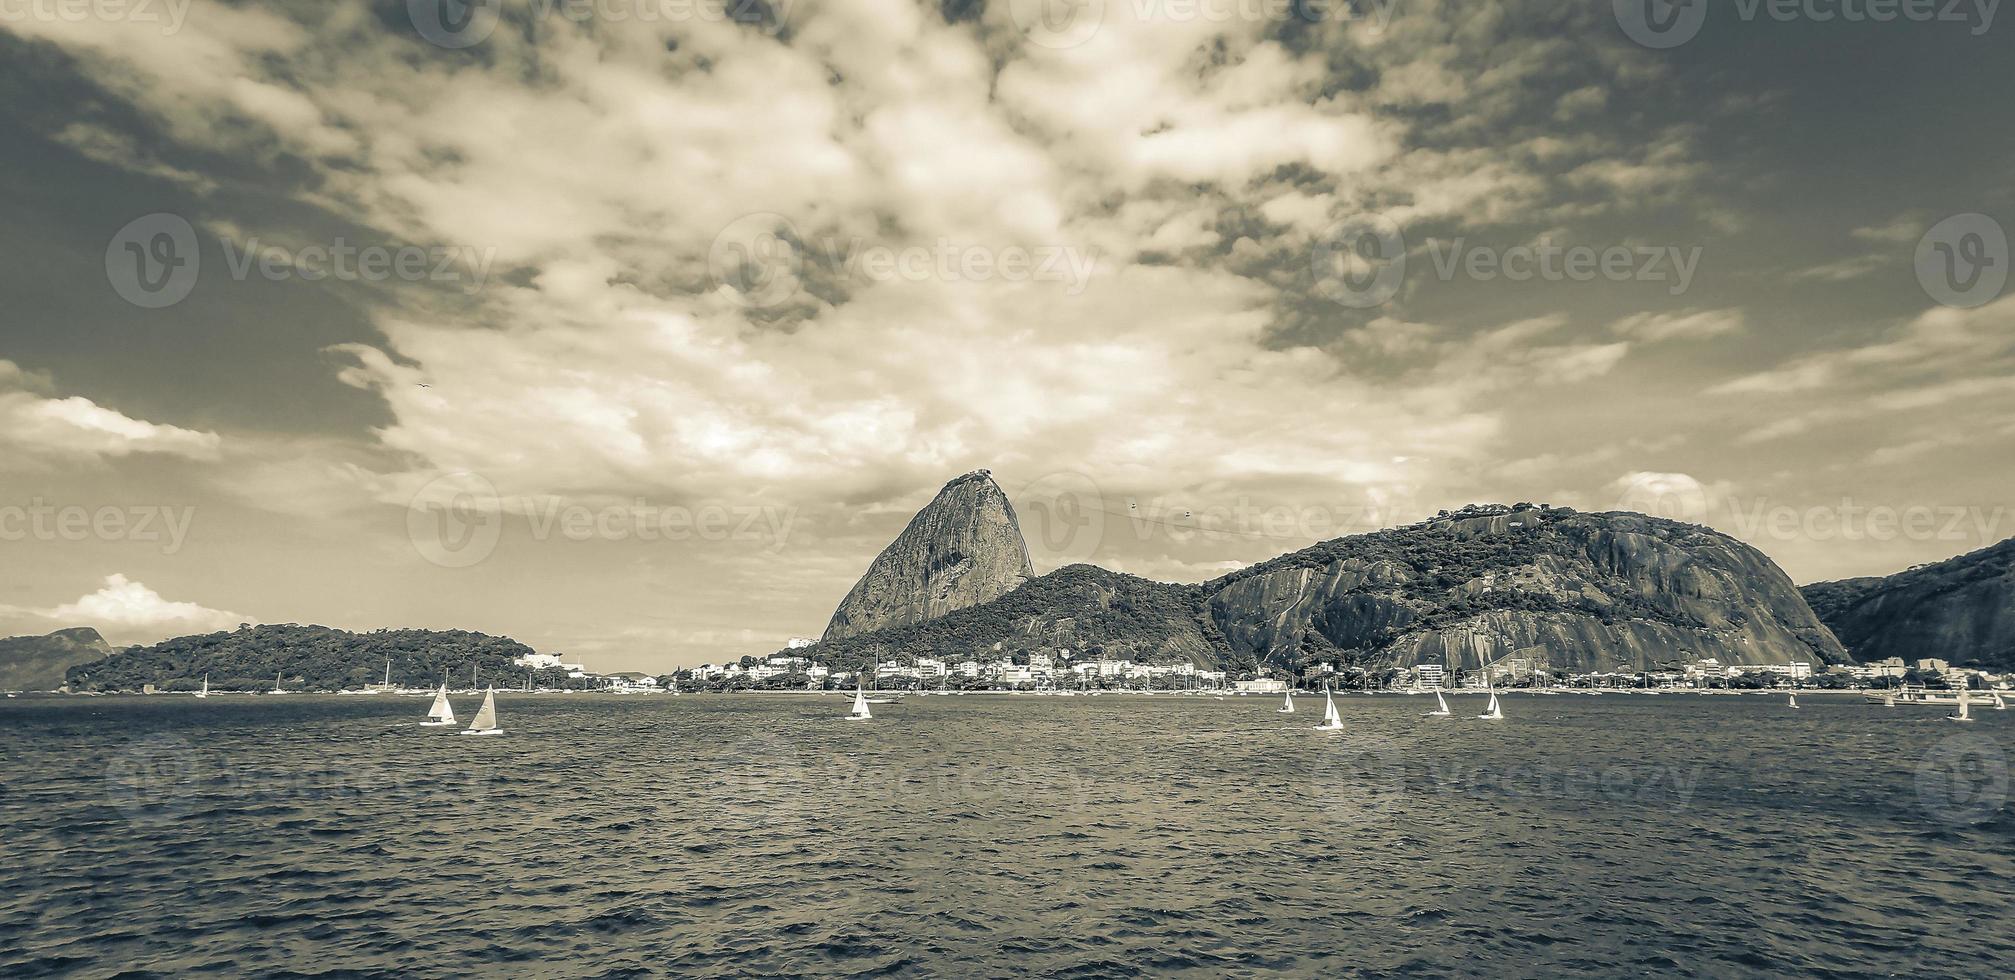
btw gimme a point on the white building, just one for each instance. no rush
(1012, 673)
(1710, 669)
(1263, 685)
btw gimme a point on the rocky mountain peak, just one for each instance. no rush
(963, 549)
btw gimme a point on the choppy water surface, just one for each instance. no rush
(1004, 836)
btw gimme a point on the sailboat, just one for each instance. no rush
(1287, 706)
(861, 712)
(1440, 707)
(1999, 705)
(205, 692)
(1494, 712)
(276, 685)
(1889, 700)
(1965, 710)
(1792, 701)
(1331, 720)
(442, 713)
(486, 719)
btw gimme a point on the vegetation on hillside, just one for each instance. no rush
(1080, 607)
(312, 658)
(1432, 549)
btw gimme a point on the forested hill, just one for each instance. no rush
(38, 663)
(1081, 607)
(306, 658)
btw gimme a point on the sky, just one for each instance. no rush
(634, 329)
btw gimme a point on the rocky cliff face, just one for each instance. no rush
(1578, 591)
(962, 550)
(37, 663)
(1961, 611)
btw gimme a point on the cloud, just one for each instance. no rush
(125, 608)
(1682, 325)
(38, 430)
(1887, 244)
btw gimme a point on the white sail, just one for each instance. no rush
(1889, 700)
(205, 692)
(861, 712)
(442, 710)
(1440, 706)
(1287, 706)
(1495, 711)
(1331, 720)
(1999, 705)
(1965, 712)
(1792, 702)
(486, 719)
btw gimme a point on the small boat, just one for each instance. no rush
(1287, 706)
(861, 712)
(1495, 711)
(205, 692)
(1331, 720)
(442, 714)
(1440, 709)
(1965, 712)
(1792, 701)
(276, 686)
(486, 719)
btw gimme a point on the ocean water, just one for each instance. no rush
(1004, 836)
